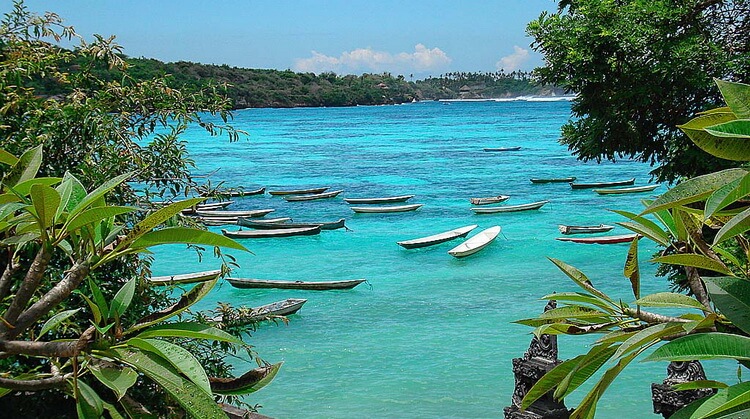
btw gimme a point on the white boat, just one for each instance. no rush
(397, 208)
(206, 207)
(383, 200)
(437, 238)
(229, 214)
(489, 200)
(255, 314)
(632, 189)
(510, 208)
(184, 278)
(280, 220)
(281, 232)
(568, 229)
(312, 197)
(476, 243)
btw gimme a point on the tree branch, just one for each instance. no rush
(652, 318)
(35, 385)
(5, 280)
(29, 285)
(67, 349)
(696, 286)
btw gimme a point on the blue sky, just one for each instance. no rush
(402, 37)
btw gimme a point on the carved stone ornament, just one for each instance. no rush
(667, 401)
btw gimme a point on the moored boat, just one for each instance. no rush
(553, 180)
(602, 184)
(502, 148)
(332, 225)
(437, 238)
(634, 189)
(383, 200)
(489, 200)
(188, 278)
(280, 220)
(623, 238)
(218, 221)
(476, 243)
(299, 285)
(396, 208)
(298, 191)
(228, 214)
(278, 308)
(211, 206)
(279, 232)
(571, 229)
(311, 197)
(241, 193)
(510, 208)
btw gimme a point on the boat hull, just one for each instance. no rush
(602, 184)
(489, 200)
(493, 149)
(569, 229)
(554, 180)
(476, 243)
(312, 197)
(624, 238)
(270, 226)
(400, 208)
(232, 214)
(185, 278)
(619, 191)
(298, 285)
(510, 208)
(298, 191)
(384, 200)
(263, 234)
(437, 238)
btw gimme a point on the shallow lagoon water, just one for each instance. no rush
(428, 335)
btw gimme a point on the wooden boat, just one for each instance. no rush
(240, 194)
(298, 191)
(333, 225)
(602, 184)
(397, 208)
(206, 207)
(502, 149)
(634, 189)
(229, 214)
(510, 208)
(553, 180)
(623, 238)
(280, 220)
(184, 278)
(312, 197)
(489, 200)
(437, 238)
(476, 243)
(384, 200)
(298, 285)
(279, 232)
(568, 229)
(219, 221)
(279, 308)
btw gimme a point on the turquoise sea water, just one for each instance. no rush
(429, 336)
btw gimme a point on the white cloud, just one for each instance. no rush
(367, 59)
(513, 61)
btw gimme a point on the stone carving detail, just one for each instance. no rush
(667, 401)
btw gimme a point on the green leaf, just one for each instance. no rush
(77, 193)
(7, 158)
(665, 217)
(571, 312)
(180, 358)
(195, 401)
(737, 97)
(729, 193)
(631, 269)
(95, 312)
(669, 299)
(249, 382)
(587, 407)
(703, 346)
(648, 337)
(722, 147)
(580, 298)
(24, 188)
(695, 260)
(739, 224)
(732, 297)
(122, 299)
(88, 403)
(99, 299)
(187, 236)
(25, 168)
(695, 189)
(589, 365)
(725, 401)
(579, 278)
(116, 378)
(93, 216)
(739, 129)
(188, 330)
(549, 381)
(55, 321)
(46, 201)
(699, 384)
(645, 227)
(113, 412)
(98, 193)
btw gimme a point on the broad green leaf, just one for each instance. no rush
(95, 215)
(98, 193)
(113, 412)
(739, 224)
(723, 109)
(571, 312)
(88, 403)
(665, 217)
(587, 407)
(725, 401)
(703, 346)
(46, 201)
(726, 195)
(7, 158)
(579, 278)
(155, 219)
(196, 402)
(699, 384)
(632, 270)
(179, 357)
(736, 149)
(645, 227)
(648, 337)
(732, 297)
(188, 330)
(728, 256)
(77, 193)
(695, 189)
(25, 168)
(580, 298)
(24, 188)
(122, 299)
(98, 297)
(669, 299)
(185, 235)
(249, 382)
(55, 321)
(737, 97)
(116, 378)
(739, 129)
(95, 312)
(681, 230)
(589, 365)
(615, 336)
(549, 381)
(7, 210)
(695, 260)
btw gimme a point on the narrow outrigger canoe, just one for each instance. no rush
(383, 200)
(489, 200)
(510, 208)
(278, 308)
(206, 207)
(502, 148)
(396, 208)
(476, 243)
(312, 197)
(602, 184)
(623, 238)
(569, 229)
(333, 225)
(437, 238)
(634, 189)
(553, 180)
(297, 285)
(298, 191)
(218, 221)
(188, 278)
(230, 214)
(240, 194)
(279, 232)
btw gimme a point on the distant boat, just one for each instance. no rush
(184, 278)
(568, 229)
(602, 184)
(397, 208)
(502, 149)
(634, 189)
(476, 243)
(206, 207)
(624, 238)
(280, 232)
(437, 238)
(489, 200)
(226, 214)
(280, 220)
(279, 308)
(333, 225)
(510, 208)
(298, 191)
(553, 180)
(298, 285)
(312, 197)
(240, 194)
(384, 200)
(218, 221)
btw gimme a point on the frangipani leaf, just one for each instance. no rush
(122, 299)
(188, 330)
(736, 149)
(737, 97)
(648, 337)
(25, 168)
(645, 227)
(732, 297)
(179, 357)
(695, 260)
(249, 382)
(734, 401)
(739, 129)
(155, 219)
(632, 270)
(46, 201)
(695, 189)
(580, 298)
(171, 235)
(588, 366)
(24, 188)
(88, 403)
(119, 379)
(587, 407)
(93, 216)
(726, 195)
(7, 158)
(96, 194)
(739, 224)
(669, 299)
(699, 384)
(703, 346)
(549, 381)
(581, 279)
(55, 321)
